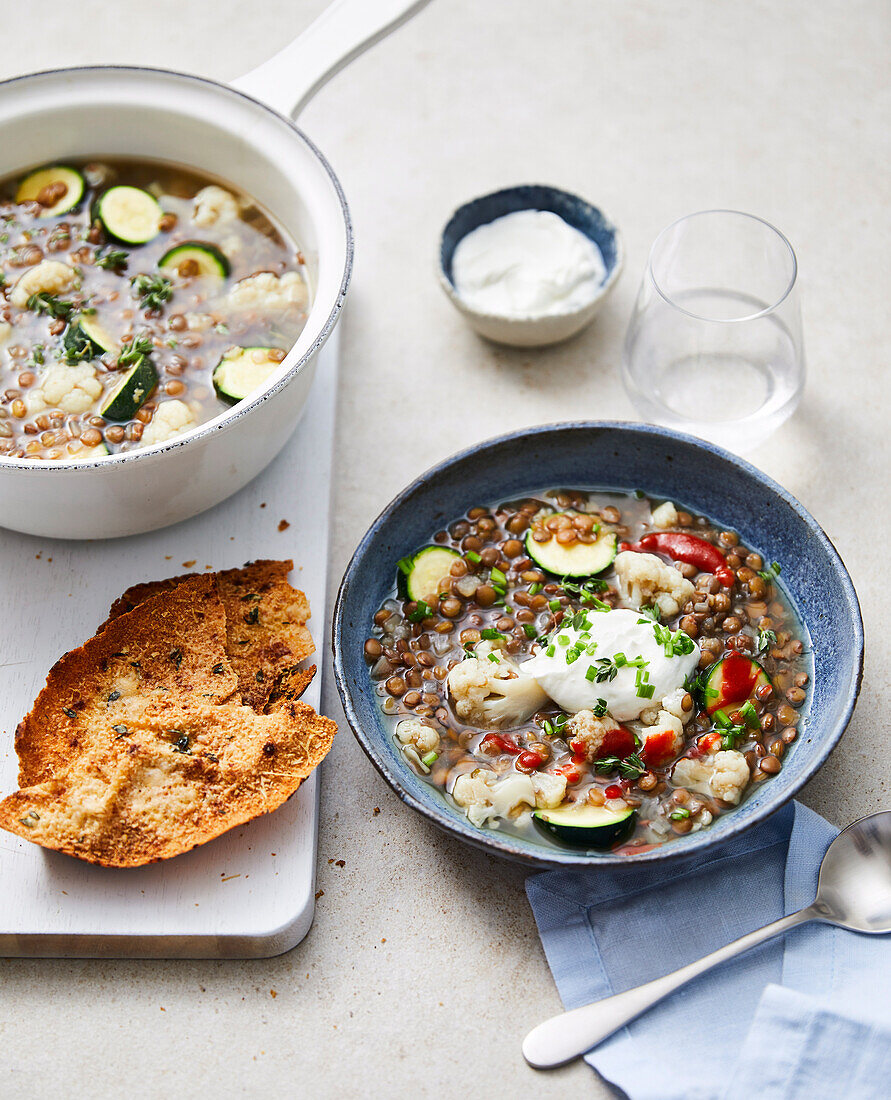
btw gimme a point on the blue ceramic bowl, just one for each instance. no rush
(533, 331)
(694, 474)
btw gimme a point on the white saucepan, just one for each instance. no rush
(243, 134)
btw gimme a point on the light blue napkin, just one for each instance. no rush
(801, 1017)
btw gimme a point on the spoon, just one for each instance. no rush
(853, 892)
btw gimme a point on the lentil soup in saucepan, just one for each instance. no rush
(590, 669)
(139, 299)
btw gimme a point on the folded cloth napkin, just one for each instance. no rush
(801, 1017)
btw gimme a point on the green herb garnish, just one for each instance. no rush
(50, 305)
(133, 350)
(112, 259)
(152, 290)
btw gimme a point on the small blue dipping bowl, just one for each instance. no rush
(605, 455)
(532, 331)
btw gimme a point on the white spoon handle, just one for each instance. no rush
(287, 81)
(570, 1034)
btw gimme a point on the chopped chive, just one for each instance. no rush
(492, 657)
(404, 564)
(620, 660)
(679, 815)
(534, 589)
(591, 649)
(497, 576)
(430, 758)
(529, 630)
(555, 605)
(491, 634)
(563, 639)
(590, 674)
(551, 650)
(571, 656)
(473, 556)
(645, 691)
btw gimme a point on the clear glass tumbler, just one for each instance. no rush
(714, 345)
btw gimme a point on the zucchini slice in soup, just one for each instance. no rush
(129, 214)
(194, 259)
(420, 574)
(58, 189)
(132, 392)
(87, 339)
(586, 826)
(574, 559)
(243, 370)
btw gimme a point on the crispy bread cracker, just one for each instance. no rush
(265, 625)
(179, 777)
(172, 645)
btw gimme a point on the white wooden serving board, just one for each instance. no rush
(250, 893)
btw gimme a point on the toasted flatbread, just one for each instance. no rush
(180, 776)
(266, 630)
(173, 646)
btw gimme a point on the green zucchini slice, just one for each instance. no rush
(576, 559)
(133, 390)
(586, 826)
(730, 683)
(129, 214)
(420, 574)
(67, 183)
(194, 259)
(87, 339)
(243, 370)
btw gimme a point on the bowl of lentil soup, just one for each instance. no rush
(596, 643)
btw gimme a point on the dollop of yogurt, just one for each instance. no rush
(527, 264)
(597, 640)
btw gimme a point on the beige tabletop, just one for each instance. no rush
(423, 970)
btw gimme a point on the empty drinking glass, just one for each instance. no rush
(714, 345)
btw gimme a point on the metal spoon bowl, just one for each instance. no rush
(853, 892)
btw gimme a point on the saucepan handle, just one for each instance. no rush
(287, 81)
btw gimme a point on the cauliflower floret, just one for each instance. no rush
(50, 276)
(198, 322)
(493, 693)
(71, 389)
(646, 579)
(5, 331)
(412, 731)
(213, 204)
(666, 515)
(724, 775)
(270, 292)
(171, 418)
(663, 740)
(484, 794)
(674, 704)
(596, 737)
(550, 790)
(99, 174)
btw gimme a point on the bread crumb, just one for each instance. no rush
(273, 994)
(189, 564)
(319, 894)
(283, 525)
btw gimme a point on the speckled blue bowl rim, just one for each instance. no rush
(688, 846)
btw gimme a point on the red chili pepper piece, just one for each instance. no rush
(503, 744)
(618, 742)
(614, 791)
(683, 547)
(658, 748)
(529, 761)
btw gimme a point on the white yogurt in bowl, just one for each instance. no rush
(530, 263)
